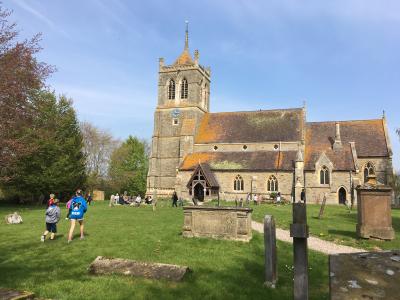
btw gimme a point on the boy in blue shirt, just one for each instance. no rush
(77, 210)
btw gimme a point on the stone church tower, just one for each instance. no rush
(183, 99)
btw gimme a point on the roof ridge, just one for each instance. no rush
(260, 110)
(343, 121)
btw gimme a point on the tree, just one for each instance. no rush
(21, 76)
(128, 167)
(57, 164)
(98, 146)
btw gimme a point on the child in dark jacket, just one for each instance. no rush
(53, 215)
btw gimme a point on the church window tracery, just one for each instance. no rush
(238, 184)
(324, 177)
(272, 184)
(368, 170)
(171, 89)
(184, 89)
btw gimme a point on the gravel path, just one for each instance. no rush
(313, 242)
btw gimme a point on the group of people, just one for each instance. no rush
(76, 206)
(129, 200)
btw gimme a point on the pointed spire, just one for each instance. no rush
(185, 58)
(187, 35)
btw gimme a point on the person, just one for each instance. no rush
(89, 198)
(248, 197)
(255, 199)
(303, 196)
(174, 199)
(53, 214)
(51, 200)
(241, 202)
(138, 200)
(68, 206)
(112, 200)
(77, 211)
(278, 198)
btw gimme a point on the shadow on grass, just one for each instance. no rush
(351, 234)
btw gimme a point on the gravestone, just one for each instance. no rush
(98, 195)
(9, 294)
(14, 218)
(321, 210)
(233, 223)
(107, 266)
(299, 232)
(374, 210)
(271, 274)
(367, 275)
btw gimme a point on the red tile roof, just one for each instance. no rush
(368, 135)
(252, 126)
(245, 160)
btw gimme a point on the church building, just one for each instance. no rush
(227, 155)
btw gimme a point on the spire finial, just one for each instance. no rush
(187, 35)
(383, 114)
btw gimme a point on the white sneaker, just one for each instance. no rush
(42, 238)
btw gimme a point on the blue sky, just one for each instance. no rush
(341, 57)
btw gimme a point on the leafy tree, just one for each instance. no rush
(57, 164)
(21, 76)
(128, 167)
(98, 146)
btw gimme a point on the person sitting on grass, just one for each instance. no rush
(53, 214)
(77, 211)
(138, 200)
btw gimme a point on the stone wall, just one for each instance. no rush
(380, 165)
(315, 191)
(226, 183)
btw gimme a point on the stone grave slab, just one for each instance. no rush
(366, 275)
(9, 294)
(104, 266)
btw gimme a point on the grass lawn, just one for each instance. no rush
(221, 269)
(336, 225)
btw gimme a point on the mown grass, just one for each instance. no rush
(221, 269)
(337, 224)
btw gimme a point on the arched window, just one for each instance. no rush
(238, 184)
(324, 175)
(171, 89)
(368, 170)
(184, 89)
(272, 184)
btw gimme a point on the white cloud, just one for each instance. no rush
(24, 5)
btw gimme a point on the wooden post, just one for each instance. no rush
(271, 275)
(299, 232)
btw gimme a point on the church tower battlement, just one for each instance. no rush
(183, 98)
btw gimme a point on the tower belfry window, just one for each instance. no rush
(184, 89)
(171, 89)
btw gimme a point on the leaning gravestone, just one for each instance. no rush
(366, 275)
(14, 218)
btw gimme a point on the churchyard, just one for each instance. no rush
(337, 224)
(220, 269)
